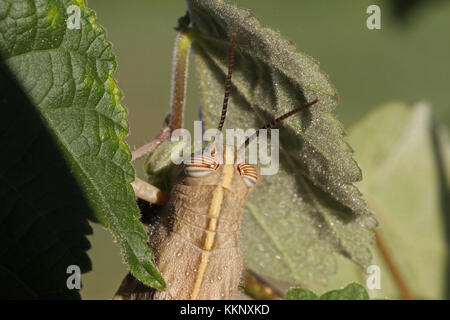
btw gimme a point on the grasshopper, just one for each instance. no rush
(196, 240)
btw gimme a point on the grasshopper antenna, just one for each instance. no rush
(277, 121)
(228, 82)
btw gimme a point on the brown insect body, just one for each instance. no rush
(202, 258)
(196, 241)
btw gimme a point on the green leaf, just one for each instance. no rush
(297, 219)
(406, 161)
(300, 294)
(43, 216)
(353, 291)
(67, 74)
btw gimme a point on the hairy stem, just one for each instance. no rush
(180, 65)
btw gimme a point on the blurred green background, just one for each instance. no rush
(408, 59)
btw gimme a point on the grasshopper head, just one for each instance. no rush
(219, 165)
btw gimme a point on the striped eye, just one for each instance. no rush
(200, 166)
(248, 173)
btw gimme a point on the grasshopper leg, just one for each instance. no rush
(142, 189)
(149, 193)
(152, 145)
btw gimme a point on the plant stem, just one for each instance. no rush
(180, 65)
(398, 278)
